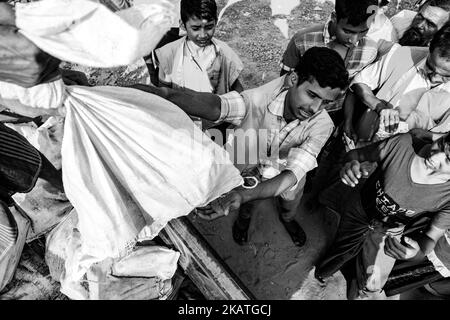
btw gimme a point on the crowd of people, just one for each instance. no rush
(360, 111)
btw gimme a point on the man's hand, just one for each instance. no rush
(21, 62)
(389, 118)
(396, 250)
(221, 206)
(352, 172)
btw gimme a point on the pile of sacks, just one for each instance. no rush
(131, 161)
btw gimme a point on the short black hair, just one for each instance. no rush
(202, 9)
(356, 11)
(324, 65)
(441, 41)
(443, 4)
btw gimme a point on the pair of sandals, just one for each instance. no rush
(241, 226)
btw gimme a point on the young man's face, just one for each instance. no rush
(200, 31)
(349, 35)
(426, 23)
(308, 98)
(438, 67)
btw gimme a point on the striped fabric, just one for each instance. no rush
(8, 237)
(364, 53)
(233, 108)
(20, 162)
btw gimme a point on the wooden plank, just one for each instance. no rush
(202, 264)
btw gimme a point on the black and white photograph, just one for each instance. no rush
(240, 152)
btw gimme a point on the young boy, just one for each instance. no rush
(345, 33)
(198, 61)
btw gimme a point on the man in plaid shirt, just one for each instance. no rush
(279, 130)
(345, 33)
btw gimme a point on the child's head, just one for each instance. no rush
(199, 19)
(352, 19)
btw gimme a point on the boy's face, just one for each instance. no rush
(200, 31)
(349, 35)
(308, 98)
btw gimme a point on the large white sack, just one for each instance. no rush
(64, 29)
(132, 159)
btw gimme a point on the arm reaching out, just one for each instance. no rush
(236, 197)
(198, 104)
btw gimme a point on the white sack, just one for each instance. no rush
(64, 29)
(154, 261)
(132, 159)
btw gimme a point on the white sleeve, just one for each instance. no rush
(376, 74)
(432, 112)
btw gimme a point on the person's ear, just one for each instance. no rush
(182, 26)
(333, 17)
(291, 80)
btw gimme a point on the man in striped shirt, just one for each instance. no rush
(279, 130)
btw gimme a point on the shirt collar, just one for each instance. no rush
(276, 107)
(421, 68)
(214, 43)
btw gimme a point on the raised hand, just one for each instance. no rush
(352, 172)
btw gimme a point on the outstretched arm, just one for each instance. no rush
(198, 104)
(236, 197)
